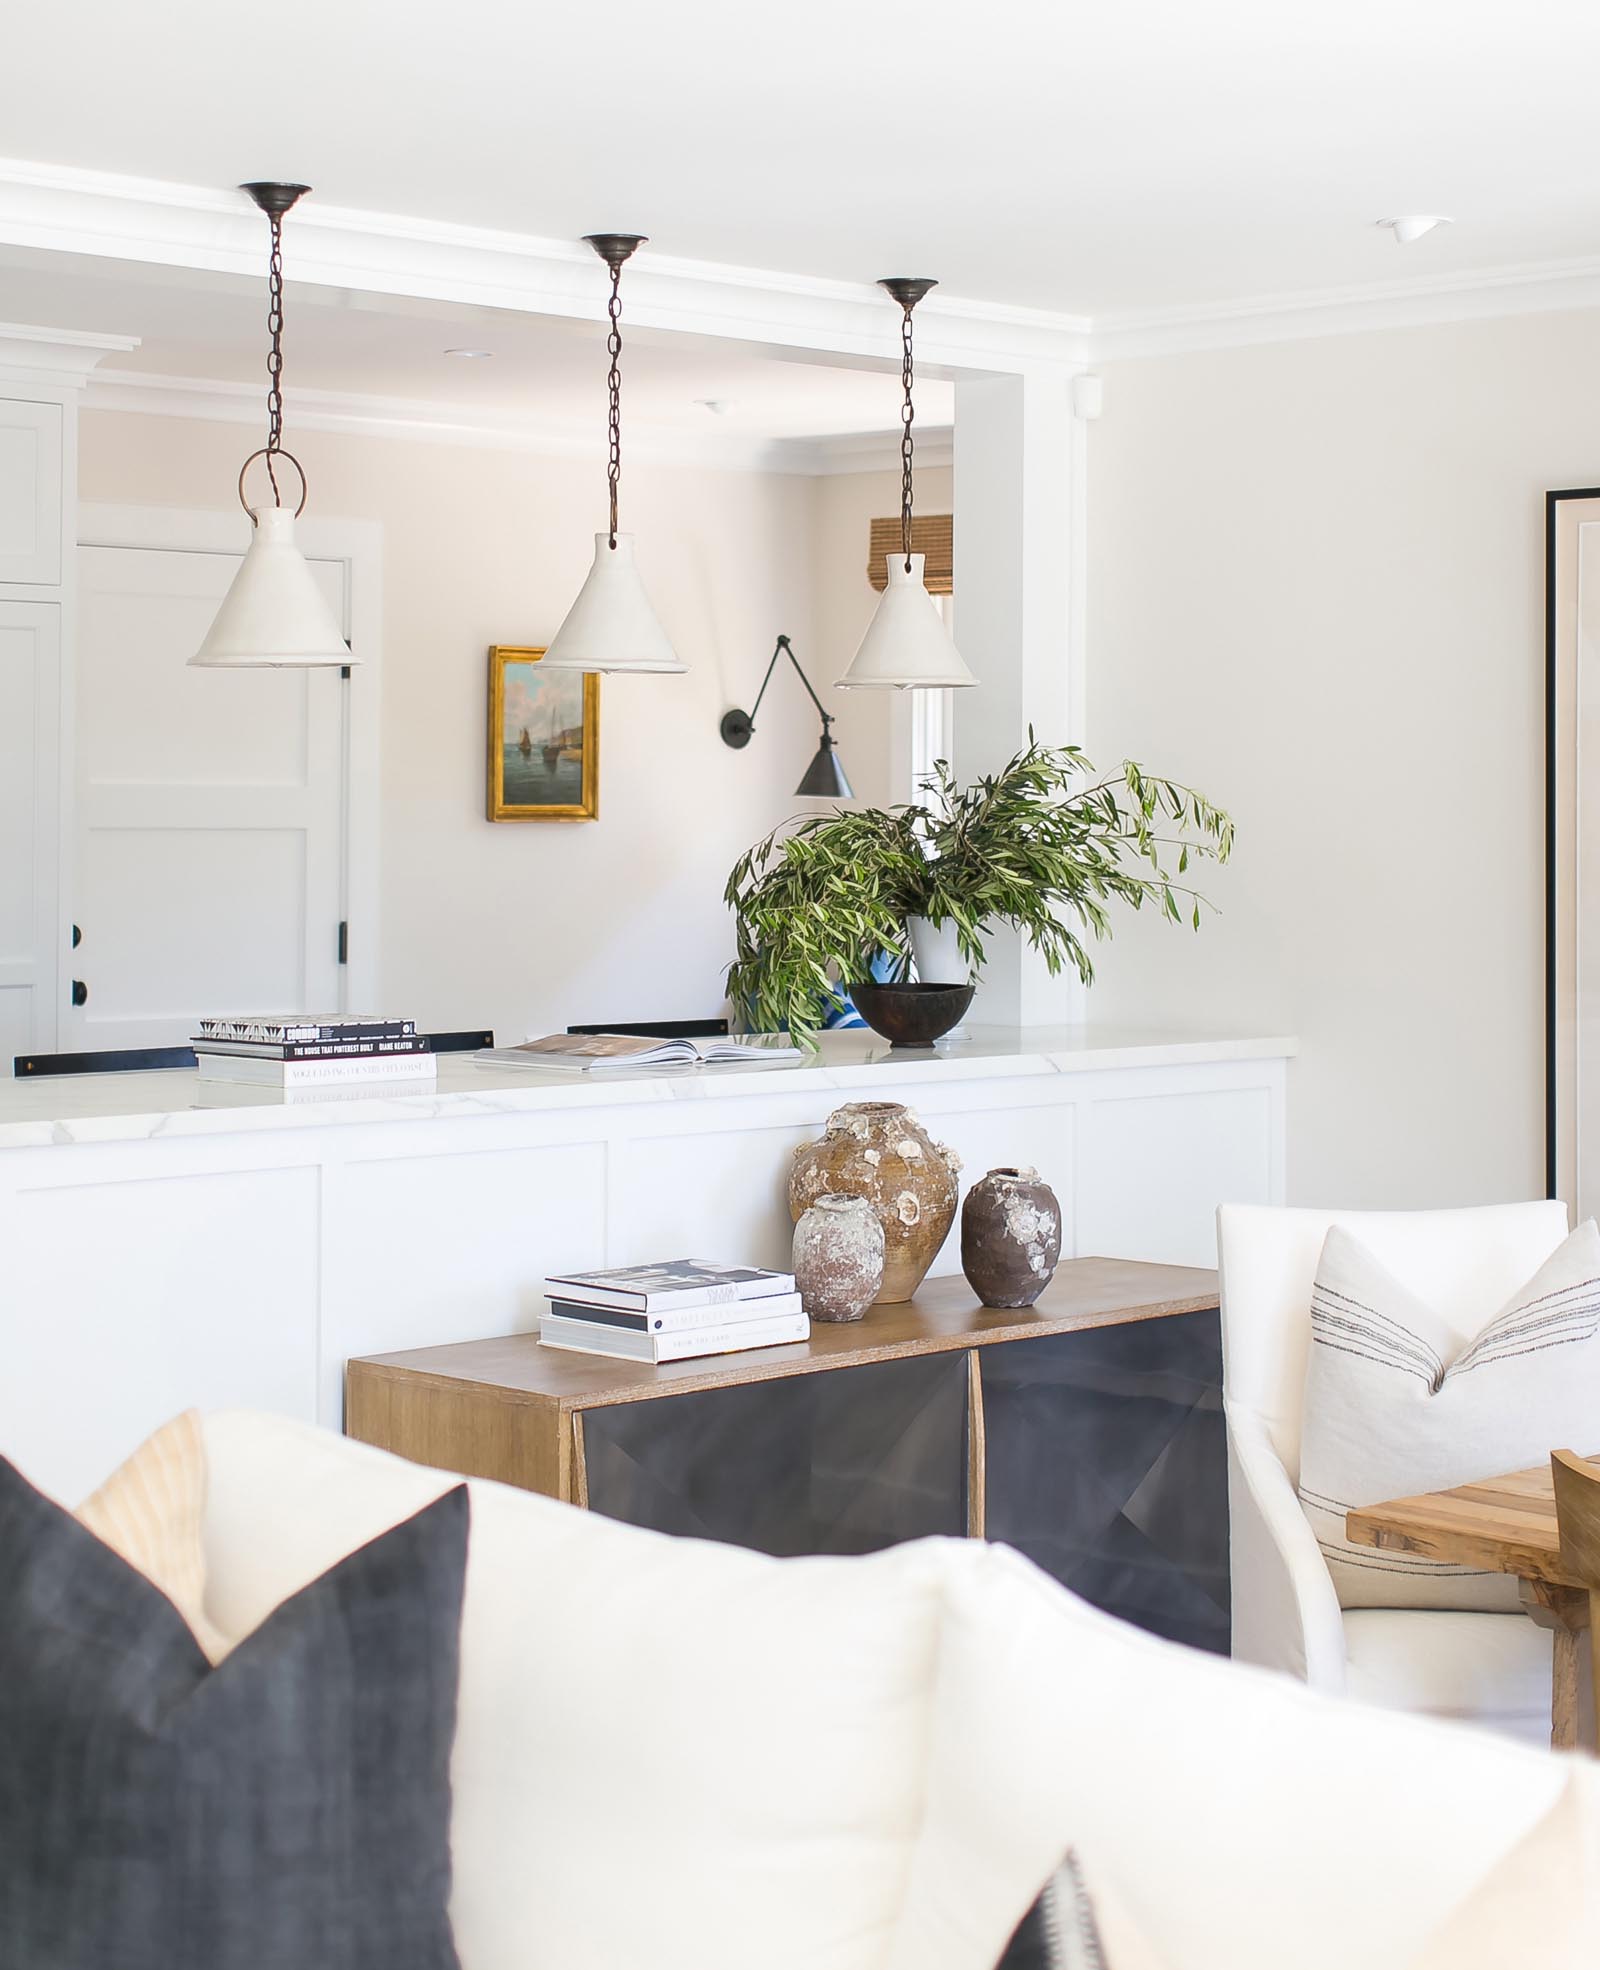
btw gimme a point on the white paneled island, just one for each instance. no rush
(173, 1242)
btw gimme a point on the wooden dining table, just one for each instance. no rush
(1502, 1525)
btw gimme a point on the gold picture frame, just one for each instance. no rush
(554, 724)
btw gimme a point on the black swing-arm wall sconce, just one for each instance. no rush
(825, 776)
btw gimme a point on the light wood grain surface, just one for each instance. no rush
(1577, 1495)
(944, 1315)
(1503, 1524)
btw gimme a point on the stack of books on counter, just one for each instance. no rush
(314, 1049)
(672, 1310)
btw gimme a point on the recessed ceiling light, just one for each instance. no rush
(1414, 225)
(471, 355)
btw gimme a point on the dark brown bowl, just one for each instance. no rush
(912, 1015)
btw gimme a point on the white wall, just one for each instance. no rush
(527, 926)
(1316, 590)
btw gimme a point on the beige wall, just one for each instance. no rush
(1316, 589)
(527, 926)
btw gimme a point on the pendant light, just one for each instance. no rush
(825, 777)
(612, 626)
(907, 646)
(274, 616)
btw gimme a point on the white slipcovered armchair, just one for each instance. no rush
(1491, 1669)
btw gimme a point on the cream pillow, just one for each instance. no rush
(151, 1512)
(669, 1755)
(1540, 1905)
(1398, 1401)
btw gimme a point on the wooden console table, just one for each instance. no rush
(1087, 1431)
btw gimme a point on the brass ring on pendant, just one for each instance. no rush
(268, 452)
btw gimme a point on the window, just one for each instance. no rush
(931, 722)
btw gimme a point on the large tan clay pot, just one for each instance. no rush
(880, 1151)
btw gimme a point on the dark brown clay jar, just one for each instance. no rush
(1010, 1237)
(880, 1151)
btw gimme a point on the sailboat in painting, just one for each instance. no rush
(540, 725)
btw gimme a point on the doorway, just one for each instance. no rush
(214, 856)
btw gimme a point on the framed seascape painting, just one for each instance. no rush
(1572, 848)
(544, 739)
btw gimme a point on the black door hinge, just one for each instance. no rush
(344, 943)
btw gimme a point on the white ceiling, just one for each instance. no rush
(543, 371)
(1088, 158)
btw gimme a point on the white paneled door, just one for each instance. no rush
(30, 698)
(206, 868)
(30, 492)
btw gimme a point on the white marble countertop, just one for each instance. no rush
(101, 1108)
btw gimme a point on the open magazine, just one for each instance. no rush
(586, 1050)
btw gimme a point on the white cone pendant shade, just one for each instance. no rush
(906, 647)
(612, 626)
(274, 616)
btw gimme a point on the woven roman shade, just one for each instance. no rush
(932, 536)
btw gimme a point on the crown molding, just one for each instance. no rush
(1536, 288)
(414, 420)
(141, 219)
(62, 357)
(865, 451)
(184, 226)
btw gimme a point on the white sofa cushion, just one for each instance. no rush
(1540, 1905)
(670, 1755)
(673, 1754)
(1488, 1669)
(1247, 1822)
(1401, 1399)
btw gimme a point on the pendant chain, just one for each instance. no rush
(275, 354)
(614, 344)
(907, 415)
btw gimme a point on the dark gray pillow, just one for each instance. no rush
(286, 1810)
(1059, 1932)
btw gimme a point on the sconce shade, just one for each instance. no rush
(611, 626)
(273, 617)
(907, 646)
(825, 777)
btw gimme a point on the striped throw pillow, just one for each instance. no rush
(150, 1512)
(1399, 1401)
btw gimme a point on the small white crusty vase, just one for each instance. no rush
(838, 1257)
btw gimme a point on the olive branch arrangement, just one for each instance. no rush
(1030, 847)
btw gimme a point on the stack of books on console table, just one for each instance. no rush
(672, 1310)
(315, 1049)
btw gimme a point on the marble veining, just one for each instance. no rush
(109, 1108)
